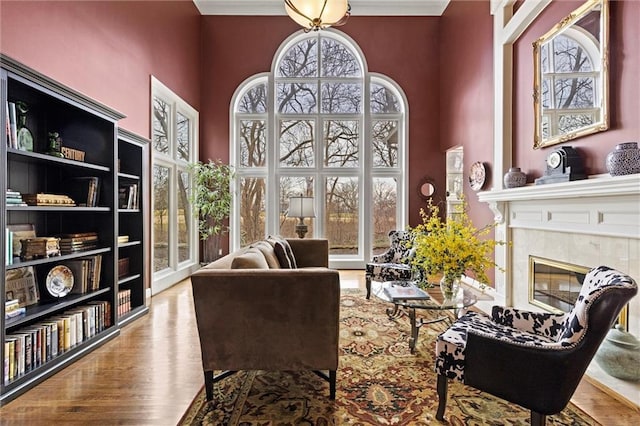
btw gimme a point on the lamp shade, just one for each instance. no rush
(317, 14)
(301, 207)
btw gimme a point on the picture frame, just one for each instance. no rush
(21, 284)
(21, 231)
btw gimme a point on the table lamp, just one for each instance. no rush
(301, 207)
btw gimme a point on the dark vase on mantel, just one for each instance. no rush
(624, 160)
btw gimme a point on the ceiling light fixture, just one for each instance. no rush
(315, 15)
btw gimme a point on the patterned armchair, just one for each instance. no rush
(393, 264)
(535, 360)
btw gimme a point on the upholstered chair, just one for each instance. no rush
(393, 264)
(532, 359)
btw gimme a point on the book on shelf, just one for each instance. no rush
(123, 239)
(42, 199)
(19, 232)
(86, 273)
(409, 292)
(12, 309)
(84, 190)
(29, 347)
(124, 302)
(12, 125)
(128, 196)
(8, 246)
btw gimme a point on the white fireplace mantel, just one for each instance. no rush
(589, 222)
(601, 205)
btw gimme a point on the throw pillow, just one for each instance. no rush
(251, 259)
(283, 252)
(269, 253)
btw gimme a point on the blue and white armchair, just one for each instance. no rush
(392, 265)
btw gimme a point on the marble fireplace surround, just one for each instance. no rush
(590, 222)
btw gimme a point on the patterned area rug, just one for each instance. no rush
(379, 383)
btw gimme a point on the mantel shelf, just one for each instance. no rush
(595, 186)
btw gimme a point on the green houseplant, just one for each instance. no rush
(211, 203)
(453, 248)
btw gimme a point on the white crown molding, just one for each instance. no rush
(358, 7)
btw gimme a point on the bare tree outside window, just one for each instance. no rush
(317, 146)
(568, 89)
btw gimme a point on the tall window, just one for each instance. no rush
(320, 125)
(174, 234)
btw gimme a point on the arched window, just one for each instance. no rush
(320, 125)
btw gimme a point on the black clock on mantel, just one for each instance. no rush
(563, 165)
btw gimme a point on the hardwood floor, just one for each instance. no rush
(151, 372)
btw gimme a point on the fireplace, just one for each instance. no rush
(575, 225)
(554, 285)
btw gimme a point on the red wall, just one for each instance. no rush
(466, 92)
(403, 48)
(108, 49)
(624, 89)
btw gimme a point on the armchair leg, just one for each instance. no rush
(538, 419)
(442, 396)
(368, 285)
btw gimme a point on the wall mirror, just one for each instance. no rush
(426, 188)
(570, 88)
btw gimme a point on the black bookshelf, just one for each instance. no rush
(90, 129)
(133, 169)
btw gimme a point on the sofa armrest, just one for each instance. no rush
(310, 251)
(267, 319)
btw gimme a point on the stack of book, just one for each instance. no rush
(128, 196)
(124, 302)
(29, 347)
(12, 309)
(71, 243)
(14, 198)
(48, 200)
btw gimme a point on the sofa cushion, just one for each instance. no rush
(251, 259)
(283, 252)
(269, 253)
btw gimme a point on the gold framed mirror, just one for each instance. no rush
(571, 76)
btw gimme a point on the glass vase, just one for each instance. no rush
(449, 287)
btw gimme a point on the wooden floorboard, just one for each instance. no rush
(150, 373)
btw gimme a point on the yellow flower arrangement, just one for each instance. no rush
(453, 247)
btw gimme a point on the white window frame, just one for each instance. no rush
(176, 271)
(364, 172)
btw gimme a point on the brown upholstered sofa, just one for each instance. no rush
(254, 314)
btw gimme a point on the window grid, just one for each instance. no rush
(353, 126)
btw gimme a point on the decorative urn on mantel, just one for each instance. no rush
(619, 354)
(624, 159)
(515, 178)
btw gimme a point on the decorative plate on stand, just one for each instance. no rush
(59, 281)
(477, 176)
